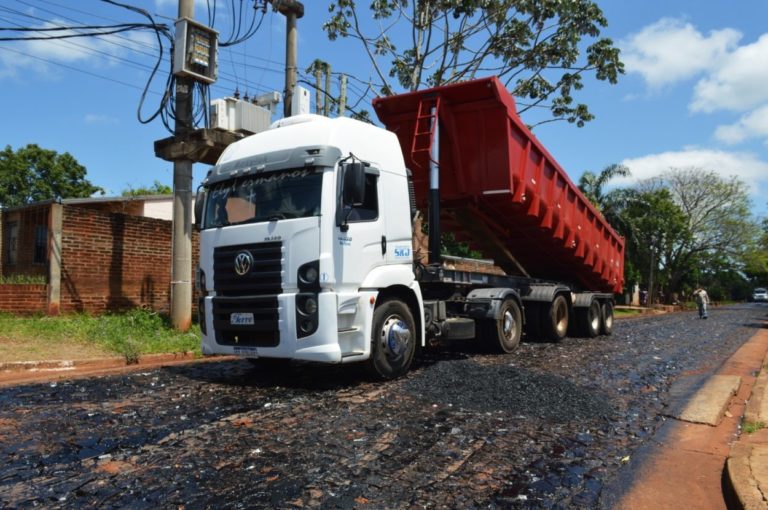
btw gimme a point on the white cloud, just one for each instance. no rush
(102, 51)
(738, 83)
(751, 125)
(671, 50)
(745, 166)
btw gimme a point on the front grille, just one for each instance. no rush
(264, 277)
(252, 293)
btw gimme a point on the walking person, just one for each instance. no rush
(702, 301)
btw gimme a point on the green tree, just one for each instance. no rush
(608, 203)
(756, 257)
(655, 225)
(32, 173)
(717, 211)
(157, 188)
(541, 49)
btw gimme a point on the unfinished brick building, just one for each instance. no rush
(93, 255)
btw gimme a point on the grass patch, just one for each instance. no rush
(751, 427)
(626, 312)
(129, 334)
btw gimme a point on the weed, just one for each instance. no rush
(23, 279)
(130, 334)
(751, 427)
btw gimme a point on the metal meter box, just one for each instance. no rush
(236, 115)
(195, 51)
(300, 102)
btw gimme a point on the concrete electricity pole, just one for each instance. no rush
(181, 270)
(190, 145)
(292, 10)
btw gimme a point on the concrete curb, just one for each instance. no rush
(115, 361)
(747, 464)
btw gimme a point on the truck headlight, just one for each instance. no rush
(310, 306)
(308, 276)
(306, 314)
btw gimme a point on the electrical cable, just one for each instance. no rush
(159, 29)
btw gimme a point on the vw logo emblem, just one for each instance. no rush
(243, 263)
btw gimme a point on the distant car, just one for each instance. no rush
(760, 294)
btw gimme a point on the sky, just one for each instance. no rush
(694, 93)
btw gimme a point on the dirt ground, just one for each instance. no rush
(12, 350)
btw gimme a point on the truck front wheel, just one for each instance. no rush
(503, 334)
(554, 320)
(393, 343)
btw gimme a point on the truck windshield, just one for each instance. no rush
(264, 197)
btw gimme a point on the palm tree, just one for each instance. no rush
(611, 203)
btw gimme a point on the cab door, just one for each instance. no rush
(360, 232)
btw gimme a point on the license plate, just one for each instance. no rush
(247, 352)
(241, 319)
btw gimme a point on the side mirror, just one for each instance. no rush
(354, 184)
(199, 203)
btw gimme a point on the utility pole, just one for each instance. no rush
(292, 10)
(181, 270)
(318, 89)
(327, 105)
(343, 95)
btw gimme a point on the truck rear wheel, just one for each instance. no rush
(606, 318)
(393, 341)
(554, 320)
(590, 320)
(503, 334)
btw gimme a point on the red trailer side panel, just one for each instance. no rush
(496, 177)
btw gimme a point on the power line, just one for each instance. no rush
(240, 34)
(134, 43)
(78, 70)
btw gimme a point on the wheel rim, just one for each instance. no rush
(561, 316)
(509, 326)
(608, 318)
(395, 337)
(594, 317)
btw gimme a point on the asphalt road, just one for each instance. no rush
(550, 426)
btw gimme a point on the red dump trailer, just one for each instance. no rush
(311, 246)
(499, 188)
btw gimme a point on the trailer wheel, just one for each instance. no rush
(606, 318)
(554, 320)
(503, 334)
(393, 341)
(590, 320)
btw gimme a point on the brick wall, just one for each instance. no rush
(23, 298)
(115, 262)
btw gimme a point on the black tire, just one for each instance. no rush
(393, 340)
(554, 320)
(503, 334)
(606, 318)
(590, 320)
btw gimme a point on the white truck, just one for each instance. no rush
(307, 243)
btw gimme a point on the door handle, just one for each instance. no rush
(383, 245)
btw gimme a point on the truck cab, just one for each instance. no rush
(305, 229)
